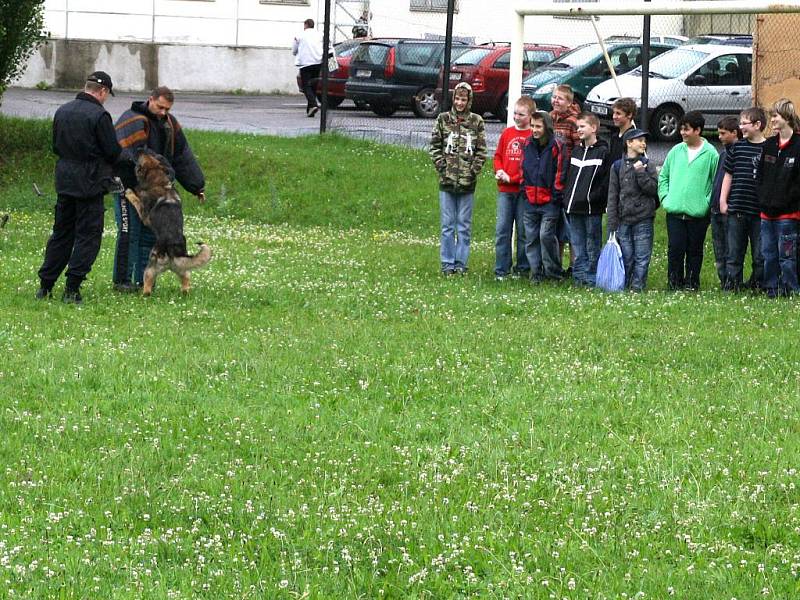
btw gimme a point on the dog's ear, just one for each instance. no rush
(139, 151)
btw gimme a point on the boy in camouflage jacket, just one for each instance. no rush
(458, 151)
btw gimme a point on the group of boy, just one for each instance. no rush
(553, 168)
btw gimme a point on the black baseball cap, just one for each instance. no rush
(102, 78)
(634, 133)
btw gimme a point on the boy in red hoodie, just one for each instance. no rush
(510, 199)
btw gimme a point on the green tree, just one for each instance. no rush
(21, 32)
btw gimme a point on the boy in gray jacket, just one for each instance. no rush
(632, 204)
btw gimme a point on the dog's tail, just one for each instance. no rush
(187, 263)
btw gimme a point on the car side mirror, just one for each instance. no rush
(696, 79)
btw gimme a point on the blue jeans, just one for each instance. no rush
(636, 241)
(541, 243)
(134, 242)
(510, 212)
(779, 248)
(741, 229)
(585, 239)
(455, 211)
(719, 239)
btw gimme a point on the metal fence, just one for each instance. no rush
(696, 62)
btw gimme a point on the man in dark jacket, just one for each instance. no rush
(148, 124)
(84, 141)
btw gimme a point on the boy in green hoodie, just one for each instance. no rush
(684, 188)
(458, 151)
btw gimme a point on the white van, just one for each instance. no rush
(712, 78)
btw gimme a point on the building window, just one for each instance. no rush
(431, 5)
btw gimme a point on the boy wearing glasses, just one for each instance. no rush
(739, 200)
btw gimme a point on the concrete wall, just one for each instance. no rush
(140, 67)
(224, 45)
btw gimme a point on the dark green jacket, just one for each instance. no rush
(458, 148)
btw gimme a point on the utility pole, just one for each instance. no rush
(644, 117)
(326, 43)
(448, 46)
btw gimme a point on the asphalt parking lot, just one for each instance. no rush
(272, 115)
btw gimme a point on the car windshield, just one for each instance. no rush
(371, 53)
(575, 58)
(472, 57)
(675, 62)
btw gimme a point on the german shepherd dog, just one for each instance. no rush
(159, 206)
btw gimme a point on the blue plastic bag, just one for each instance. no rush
(610, 268)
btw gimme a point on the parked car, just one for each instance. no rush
(583, 68)
(485, 68)
(712, 78)
(391, 73)
(337, 78)
(672, 39)
(726, 39)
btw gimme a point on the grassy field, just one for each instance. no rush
(326, 417)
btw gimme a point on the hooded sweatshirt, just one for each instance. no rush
(544, 167)
(684, 187)
(508, 157)
(458, 146)
(779, 178)
(586, 191)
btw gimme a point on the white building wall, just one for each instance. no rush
(222, 45)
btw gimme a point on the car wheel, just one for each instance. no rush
(333, 101)
(361, 104)
(502, 108)
(665, 126)
(383, 110)
(426, 104)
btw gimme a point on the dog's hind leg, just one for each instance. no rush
(185, 283)
(155, 267)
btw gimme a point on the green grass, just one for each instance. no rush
(326, 417)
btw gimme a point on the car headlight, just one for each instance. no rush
(546, 89)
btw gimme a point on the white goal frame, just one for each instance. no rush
(623, 8)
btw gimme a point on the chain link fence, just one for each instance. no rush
(388, 90)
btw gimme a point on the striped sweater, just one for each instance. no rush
(138, 128)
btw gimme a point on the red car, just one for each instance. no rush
(485, 68)
(336, 79)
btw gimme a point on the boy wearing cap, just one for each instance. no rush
(84, 141)
(632, 204)
(684, 188)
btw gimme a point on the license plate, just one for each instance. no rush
(363, 73)
(455, 76)
(600, 110)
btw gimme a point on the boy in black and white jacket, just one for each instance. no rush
(585, 198)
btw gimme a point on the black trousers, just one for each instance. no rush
(75, 241)
(685, 238)
(308, 77)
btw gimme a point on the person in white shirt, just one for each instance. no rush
(308, 51)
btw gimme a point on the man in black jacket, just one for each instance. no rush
(150, 125)
(84, 140)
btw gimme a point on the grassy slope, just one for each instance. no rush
(326, 415)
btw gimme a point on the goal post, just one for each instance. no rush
(565, 8)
